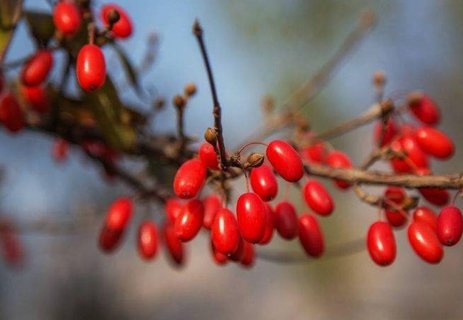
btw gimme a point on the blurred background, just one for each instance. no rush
(257, 47)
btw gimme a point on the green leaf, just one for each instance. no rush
(10, 12)
(109, 111)
(130, 71)
(41, 25)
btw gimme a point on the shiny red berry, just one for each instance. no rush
(190, 220)
(426, 216)
(414, 157)
(424, 242)
(315, 153)
(385, 136)
(174, 246)
(189, 179)
(264, 182)
(91, 68)
(251, 216)
(66, 17)
(425, 110)
(449, 226)
(434, 142)
(11, 114)
(339, 160)
(269, 225)
(381, 243)
(285, 160)
(285, 220)
(37, 68)
(148, 240)
(119, 214)
(208, 156)
(123, 27)
(212, 204)
(311, 236)
(37, 98)
(317, 198)
(225, 234)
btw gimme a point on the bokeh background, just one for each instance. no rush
(257, 47)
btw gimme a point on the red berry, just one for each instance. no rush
(425, 110)
(315, 153)
(268, 233)
(212, 204)
(264, 182)
(123, 27)
(190, 220)
(381, 243)
(60, 150)
(311, 236)
(394, 216)
(285, 220)
(339, 160)
(208, 156)
(37, 68)
(173, 209)
(36, 98)
(66, 17)
(219, 258)
(449, 226)
(285, 160)
(317, 198)
(148, 242)
(174, 246)
(249, 255)
(389, 134)
(91, 67)
(119, 214)
(189, 179)
(426, 216)
(434, 142)
(225, 235)
(414, 156)
(424, 242)
(109, 239)
(11, 114)
(251, 215)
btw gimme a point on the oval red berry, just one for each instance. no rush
(189, 179)
(381, 243)
(264, 182)
(91, 68)
(285, 160)
(311, 236)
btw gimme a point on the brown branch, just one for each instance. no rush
(450, 181)
(217, 110)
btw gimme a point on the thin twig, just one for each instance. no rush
(217, 110)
